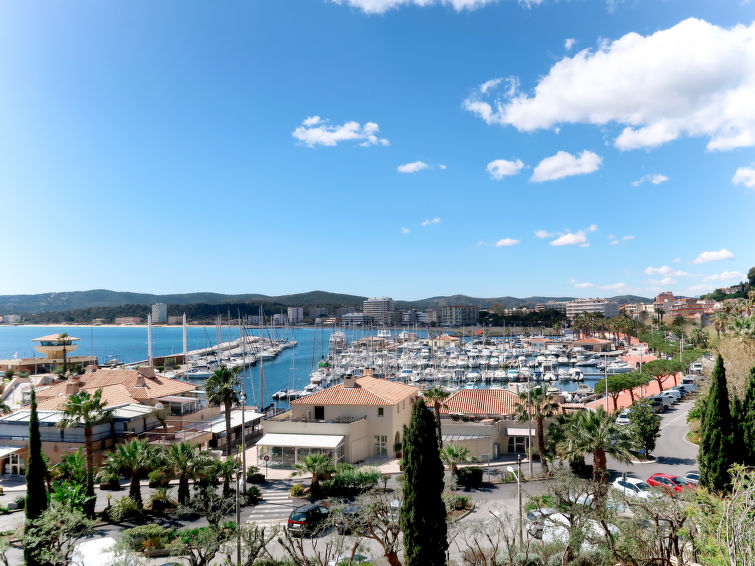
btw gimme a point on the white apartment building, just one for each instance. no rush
(379, 309)
(459, 315)
(159, 313)
(608, 309)
(295, 315)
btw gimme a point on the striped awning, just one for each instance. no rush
(455, 437)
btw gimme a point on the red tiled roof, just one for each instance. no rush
(592, 341)
(481, 402)
(367, 391)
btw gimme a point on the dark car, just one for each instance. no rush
(307, 519)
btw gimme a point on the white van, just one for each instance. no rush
(674, 394)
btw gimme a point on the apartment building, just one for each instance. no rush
(609, 309)
(459, 315)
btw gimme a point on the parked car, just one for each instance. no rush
(632, 487)
(348, 559)
(307, 519)
(690, 383)
(686, 389)
(670, 482)
(673, 394)
(623, 418)
(556, 528)
(536, 520)
(656, 403)
(697, 367)
(693, 477)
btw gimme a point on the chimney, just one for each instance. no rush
(72, 385)
(91, 368)
(368, 372)
(147, 371)
(349, 381)
(140, 381)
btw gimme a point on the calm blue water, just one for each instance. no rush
(129, 344)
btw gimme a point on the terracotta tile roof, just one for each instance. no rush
(592, 341)
(481, 402)
(112, 395)
(367, 391)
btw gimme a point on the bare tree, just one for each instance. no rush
(736, 531)
(254, 544)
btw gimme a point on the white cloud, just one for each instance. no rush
(540, 234)
(570, 239)
(666, 270)
(569, 42)
(661, 282)
(412, 167)
(700, 289)
(501, 168)
(744, 176)
(720, 255)
(614, 242)
(611, 237)
(613, 286)
(585, 245)
(487, 85)
(656, 179)
(442, 166)
(700, 82)
(430, 221)
(530, 3)
(593, 228)
(316, 131)
(405, 230)
(676, 260)
(564, 164)
(506, 242)
(726, 276)
(382, 6)
(584, 285)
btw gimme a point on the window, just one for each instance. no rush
(517, 444)
(381, 411)
(319, 413)
(381, 445)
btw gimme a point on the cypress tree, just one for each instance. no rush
(423, 512)
(747, 420)
(716, 433)
(737, 430)
(36, 471)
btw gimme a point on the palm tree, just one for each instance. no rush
(540, 405)
(184, 461)
(455, 454)
(437, 395)
(719, 321)
(598, 434)
(221, 390)
(64, 338)
(226, 470)
(85, 410)
(132, 459)
(320, 465)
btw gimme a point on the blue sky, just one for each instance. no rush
(256, 146)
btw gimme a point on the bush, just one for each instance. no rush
(255, 478)
(522, 559)
(158, 478)
(124, 508)
(109, 481)
(157, 537)
(20, 501)
(160, 500)
(470, 477)
(253, 495)
(297, 490)
(349, 481)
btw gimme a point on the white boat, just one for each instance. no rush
(473, 376)
(576, 374)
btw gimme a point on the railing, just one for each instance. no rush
(337, 420)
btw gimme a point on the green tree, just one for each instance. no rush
(539, 406)
(65, 339)
(747, 419)
(751, 276)
(36, 473)
(716, 433)
(455, 454)
(222, 391)
(87, 411)
(423, 512)
(51, 537)
(185, 463)
(132, 459)
(319, 465)
(438, 396)
(645, 425)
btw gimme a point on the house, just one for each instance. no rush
(593, 344)
(358, 419)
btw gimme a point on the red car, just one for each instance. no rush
(670, 482)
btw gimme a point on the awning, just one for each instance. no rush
(217, 425)
(329, 441)
(178, 399)
(455, 437)
(520, 431)
(8, 450)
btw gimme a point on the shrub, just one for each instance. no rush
(255, 478)
(250, 471)
(253, 495)
(158, 537)
(470, 477)
(523, 559)
(160, 500)
(124, 508)
(158, 478)
(349, 480)
(297, 490)
(109, 481)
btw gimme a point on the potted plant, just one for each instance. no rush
(397, 449)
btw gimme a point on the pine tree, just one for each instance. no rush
(36, 471)
(747, 420)
(716, 433)
(423, 512)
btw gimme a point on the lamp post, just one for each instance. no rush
(529, 422)
(238, 520)
(518, 490)
(243, 439)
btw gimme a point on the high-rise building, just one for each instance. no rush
(295, 315)
(459, 315)
(379, 309)
(159, 313)
(608, 309)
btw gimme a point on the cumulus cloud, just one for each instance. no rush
(666, 270)
(501, 168)
(584, 285)
(570, 239)
(593, 228)
(569, 42)
(405, 230)
(701, 83)
(316, 131)
(442, 166)
(430, 221)
(676, 260)
(661, 282)
(382, 6)
(625, 238)
(719, 255)
(540, 234)
(726, 276)
(505, 242)
(745, 176)
(656, 179)
(412, 167)
(564, 164)
(613, 286)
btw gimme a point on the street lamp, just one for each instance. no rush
(529, 423)
(518, 490)
(243, 438)
(238, 519)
